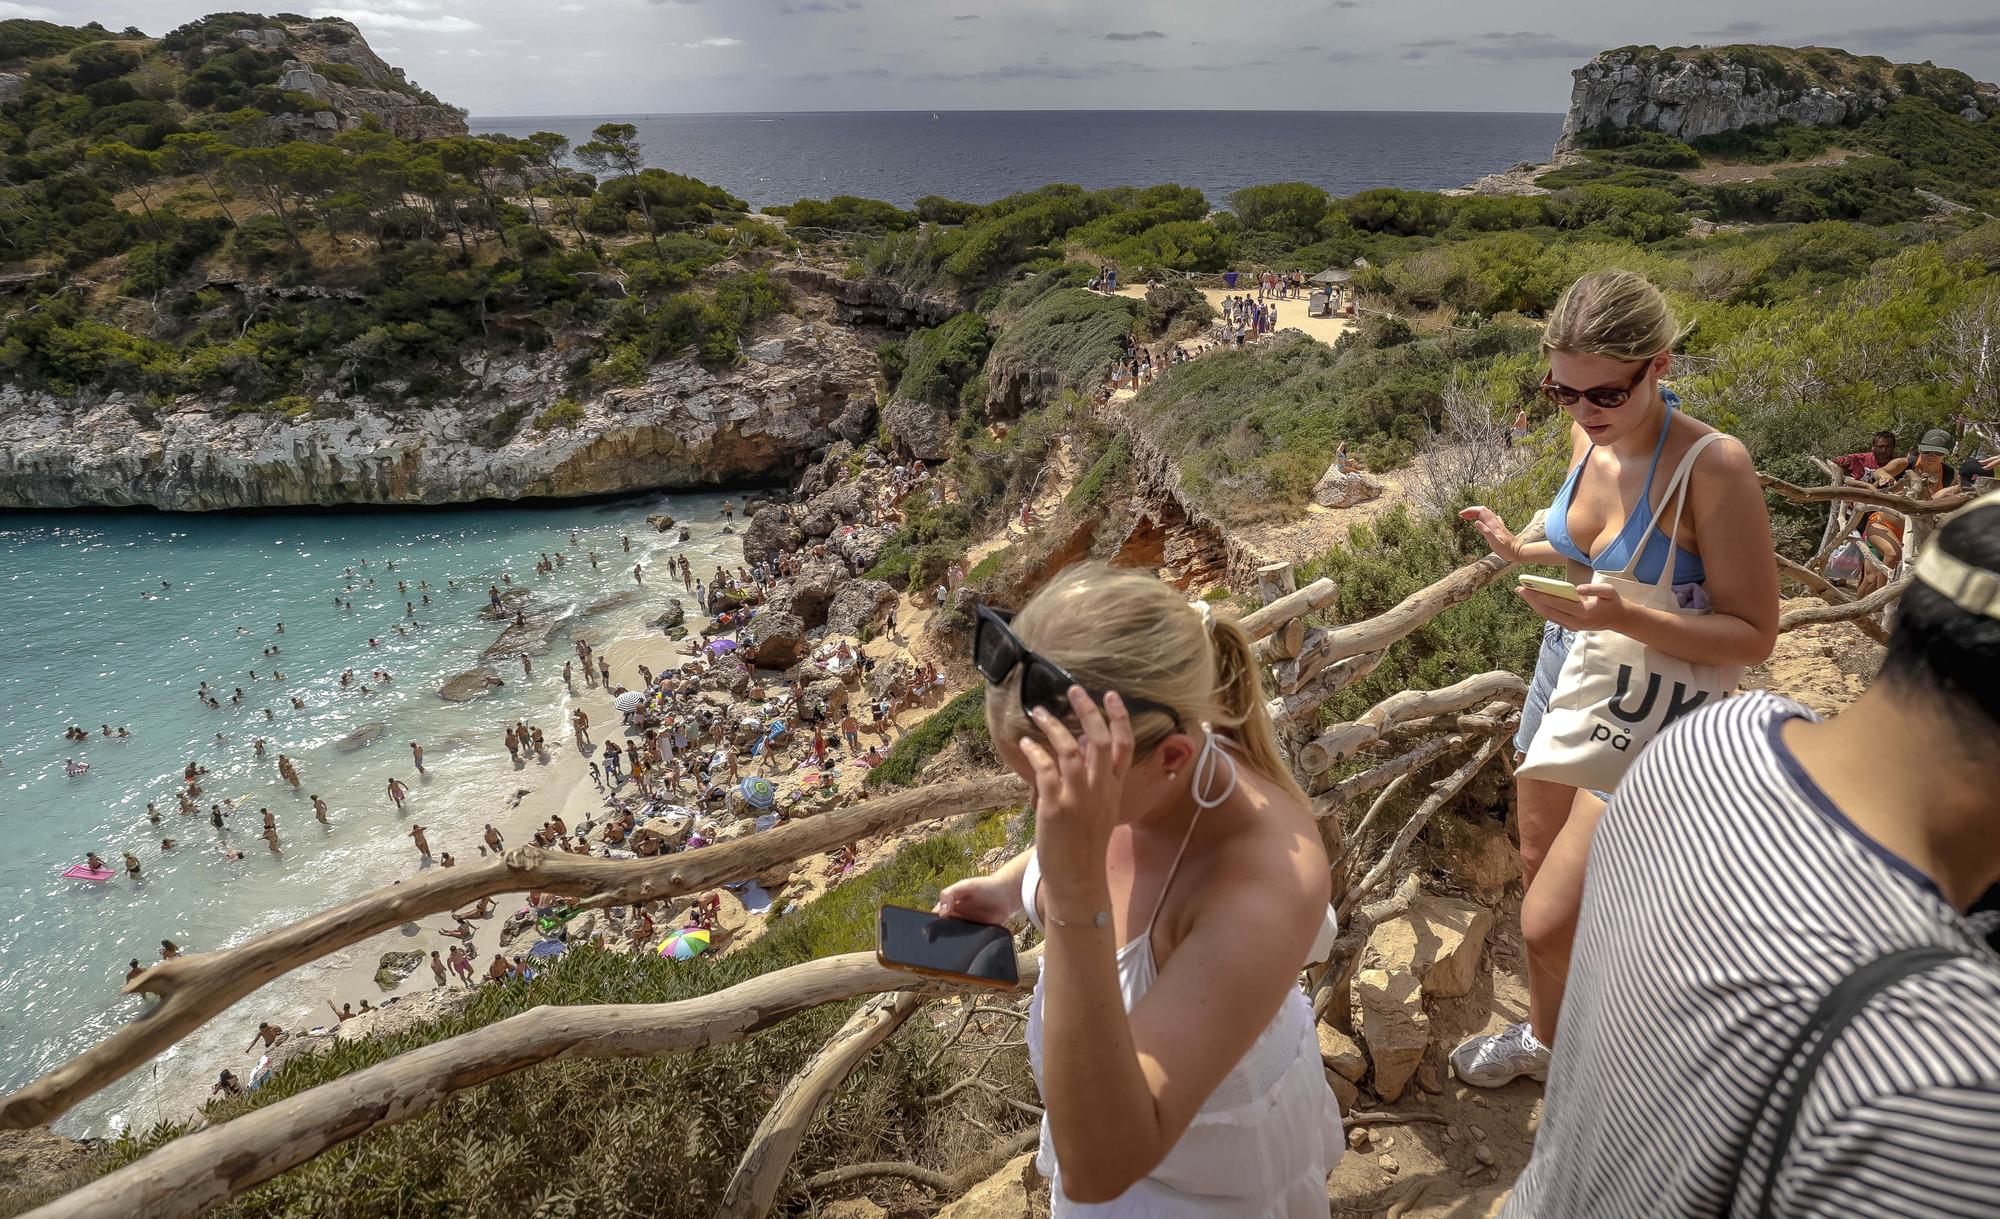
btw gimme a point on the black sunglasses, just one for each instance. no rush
(1604, 397)
(997, 651)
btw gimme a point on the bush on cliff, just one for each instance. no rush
(961, 719)
(1069, 337)
(938, 361)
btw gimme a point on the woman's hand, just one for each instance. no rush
(1599, 608)
(980, 899)
(1494, 530)
(1079, 786)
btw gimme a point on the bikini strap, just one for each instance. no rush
(1646, 493)
(1173, 868)
(1677, 495)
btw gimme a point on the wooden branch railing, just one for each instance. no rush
(198, 1170)
(194, 988)
(1855, 493)
(1344, 740)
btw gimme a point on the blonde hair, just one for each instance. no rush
(1122, 629)
(1619, 315)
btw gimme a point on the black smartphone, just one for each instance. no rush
(926, 943)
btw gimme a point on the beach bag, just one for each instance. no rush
(1614, 693)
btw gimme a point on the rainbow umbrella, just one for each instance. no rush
(684, 943)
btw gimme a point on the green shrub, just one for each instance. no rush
(848, 213)
(938, 361)
(564, 413)
(963, 718)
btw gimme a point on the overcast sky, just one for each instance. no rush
(534, 57)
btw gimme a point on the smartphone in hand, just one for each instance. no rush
(936, 946)
(1548, 584)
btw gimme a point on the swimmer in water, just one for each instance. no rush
(319, 810)
(396, 793)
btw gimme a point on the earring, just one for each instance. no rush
(1170, 776)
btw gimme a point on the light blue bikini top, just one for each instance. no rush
(1639, 524)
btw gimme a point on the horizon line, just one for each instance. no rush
(1009, 110)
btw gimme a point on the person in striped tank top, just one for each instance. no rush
(1755, 861)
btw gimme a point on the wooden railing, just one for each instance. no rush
(1464, 725)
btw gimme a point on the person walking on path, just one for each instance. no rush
(1609, 340)
(437, 968)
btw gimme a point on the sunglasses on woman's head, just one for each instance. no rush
(997, 651)
(1603, 397)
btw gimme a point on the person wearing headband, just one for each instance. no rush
(1757, 862)
(1180, 880)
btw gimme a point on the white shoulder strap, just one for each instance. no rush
(1676, 495)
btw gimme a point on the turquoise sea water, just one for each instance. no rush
(79, 644)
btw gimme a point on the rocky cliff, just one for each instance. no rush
(1693, 92)
(804, 384)
(334, 66)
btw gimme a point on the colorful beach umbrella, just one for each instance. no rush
(758, 792)
(684, 943)
(722, 645)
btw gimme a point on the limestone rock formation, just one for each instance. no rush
(781, 640)
(1336, 489)
(1438, 940)
(1017, 1191)
(1689, 93)
(875, 302)
(769, 535)
(1393, 1027)
(357, 89)
(858, 604)
(684, 426)
(918, 429)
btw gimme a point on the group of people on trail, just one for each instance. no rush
(1926, 472)
(1243, 319)
(1760, 970)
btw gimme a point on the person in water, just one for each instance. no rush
(1176, 1055)
(1609, 340)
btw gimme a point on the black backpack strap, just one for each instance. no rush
(1787, 1093)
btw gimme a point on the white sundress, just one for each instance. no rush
(1262, 1144)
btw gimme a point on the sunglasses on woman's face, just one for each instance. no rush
(1608, 397)
(997, 651)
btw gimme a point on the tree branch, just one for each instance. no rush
(1442, 793)
(193, 989)
(1344, 740)
(1855, 493)
(199, 1170)
(1856, 612)
(760, 1171)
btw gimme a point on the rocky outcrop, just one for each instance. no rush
(334, 66)
(1690, 93)
(874, 301)
(1339, 488)
(918, 429)
(684, 426)
(769, 535)
(858, 604)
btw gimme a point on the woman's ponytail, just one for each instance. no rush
(1239, 688)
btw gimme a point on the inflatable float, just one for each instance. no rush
(86, 872)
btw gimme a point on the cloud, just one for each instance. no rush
(710, 42)
(1133, 35)
(1435, 42)
(33, 11)
(1737, 29)
(1413, 56)
(1347, 56)
(1521, 44)
(1347, 3)
(820, 6)
(1918, 31)
(966, 17)
(435, 23)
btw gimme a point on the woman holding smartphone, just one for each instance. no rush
(1609, 341)
(1180, 881)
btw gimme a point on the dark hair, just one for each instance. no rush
(1938, 650)
(1885, 432)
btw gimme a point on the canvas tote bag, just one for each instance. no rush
(1614, 693)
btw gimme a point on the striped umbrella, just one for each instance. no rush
(684, 943)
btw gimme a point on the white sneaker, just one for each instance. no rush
(1505, 1056)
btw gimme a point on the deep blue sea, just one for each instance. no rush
(981, 155)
